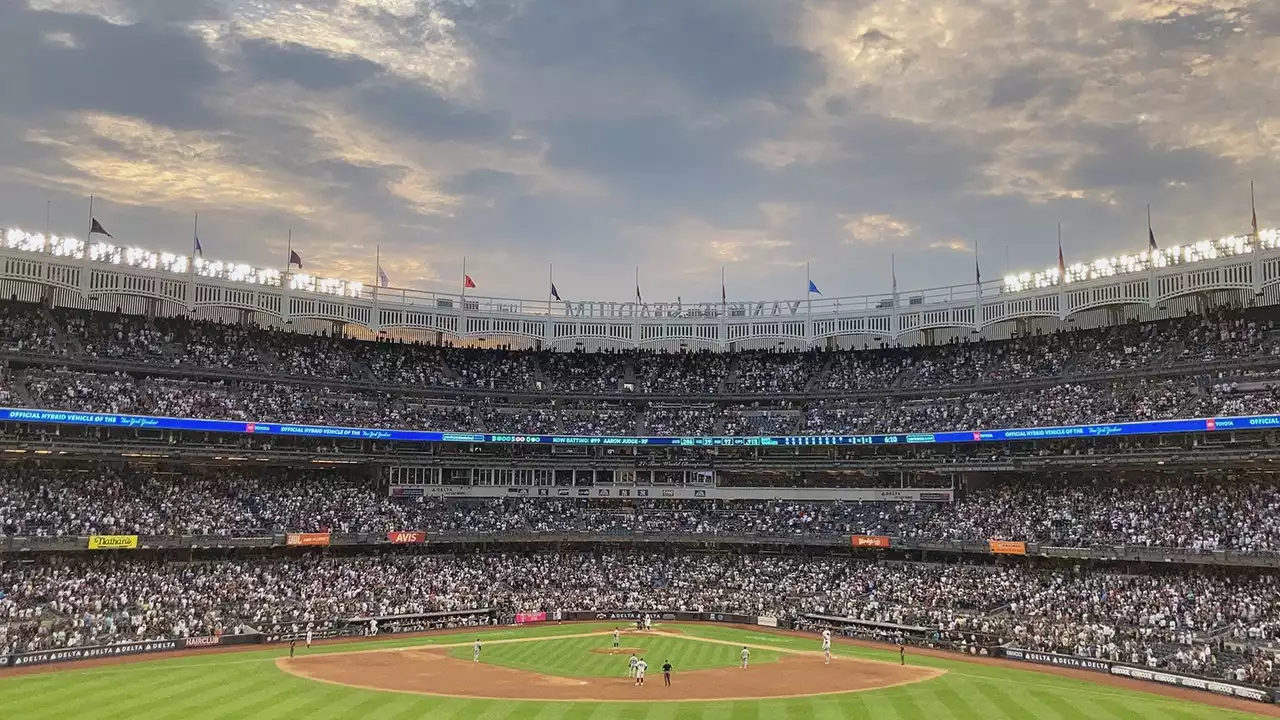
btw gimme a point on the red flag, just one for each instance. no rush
(467, 282)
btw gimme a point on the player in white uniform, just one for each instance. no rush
(641, 666)
(308, 638)
(746, 656)
(615, 641)
(648, 622)
(631, 665)
(826, 645)
(475, 651)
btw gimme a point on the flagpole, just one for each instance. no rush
(1151, 265)
(808, 289)
(288, 258)
(1257, 244)
(551, 282)
(724, 295)
(464, 281)
(48, 211)
(893, 274)
(88, 240)
(191, 269)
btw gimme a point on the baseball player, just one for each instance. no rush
(902, 654)
(616, 641)
(475, 651)
(292, 642)
(641, 666)
(631, 665)
(826, 645)
(648, 621)
(666, 673)
(308, 638)
(746, 657)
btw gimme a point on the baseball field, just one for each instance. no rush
(571, 671)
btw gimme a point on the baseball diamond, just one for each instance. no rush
(420, 677)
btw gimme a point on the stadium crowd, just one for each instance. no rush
(1196, 514)
(1174, 620)
(187, 343)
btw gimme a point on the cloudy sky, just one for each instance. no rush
(680, 136)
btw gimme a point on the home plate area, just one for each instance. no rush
(582, 674)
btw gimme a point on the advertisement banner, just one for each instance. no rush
(404, 538)
(767, 621)
(659, 615)
(870, 541)
(1194, 683)
(307, 539)
(531, 617)
(113, 542)
(1070, 661)
(1007, 547)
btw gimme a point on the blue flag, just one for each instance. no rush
(555, 293)
(199, 250)
(813, 287)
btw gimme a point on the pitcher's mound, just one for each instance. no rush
(618, 651)
(433, 672)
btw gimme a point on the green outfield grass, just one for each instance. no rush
(248, 685)
(573, 657)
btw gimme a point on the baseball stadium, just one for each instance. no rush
(229, 492)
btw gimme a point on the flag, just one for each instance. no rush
(893, 271)
(555, 293)
(295, 259)
(199, 250)
(813, 287)
(977, 272)
(1062, 263)
(383, 280)
(1255, 223)
(96, 227)
(724, 295)
(639, 299)
(1151, 239)
(467, 282)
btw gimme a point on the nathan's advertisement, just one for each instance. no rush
(113, 542)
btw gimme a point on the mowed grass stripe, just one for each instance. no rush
(252, 687)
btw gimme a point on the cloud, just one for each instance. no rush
(310, 68)
(759, 135)
(875, 228)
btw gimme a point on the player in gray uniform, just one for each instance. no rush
(746, 656)
(475, 651)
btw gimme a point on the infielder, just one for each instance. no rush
(475, 651)
(615, 640)
(666, 673)
(641, 666)
(826, 645)
(631, 665)
(746, 657)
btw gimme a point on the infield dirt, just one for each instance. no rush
(430, 671)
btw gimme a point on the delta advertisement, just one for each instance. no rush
(48, 657)
(113, 542)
